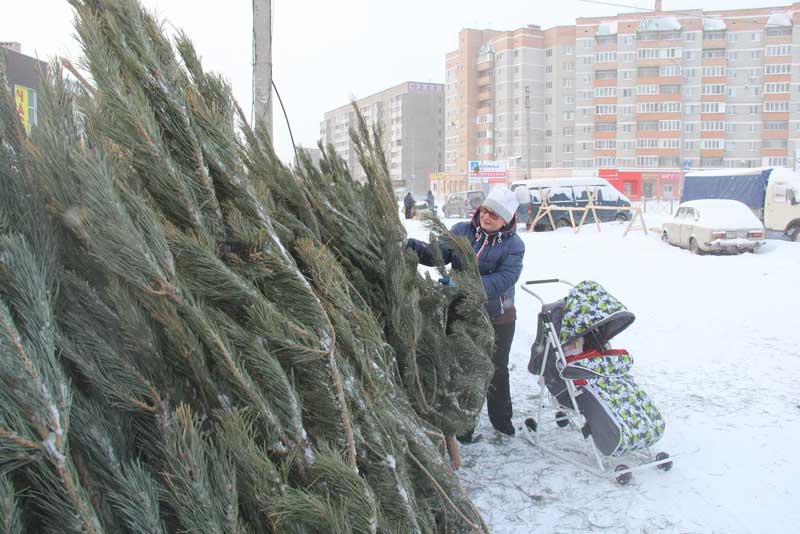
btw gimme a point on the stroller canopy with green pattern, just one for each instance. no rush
(590, 309)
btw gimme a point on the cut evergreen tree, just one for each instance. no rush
(196, 338)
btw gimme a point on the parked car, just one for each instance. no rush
(714, 225)
(573, 193)
(463, 204)
(422, 207)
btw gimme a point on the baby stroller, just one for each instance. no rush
(589, 381)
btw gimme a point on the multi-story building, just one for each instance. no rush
(636, 97)
(410, 118)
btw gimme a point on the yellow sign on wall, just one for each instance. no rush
(22, 99)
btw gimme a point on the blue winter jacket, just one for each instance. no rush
(499, 260)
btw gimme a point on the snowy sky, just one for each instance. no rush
(326, 52)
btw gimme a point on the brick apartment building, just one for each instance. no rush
(410, 116)
(635, 98)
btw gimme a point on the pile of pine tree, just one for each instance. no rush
(196, 338)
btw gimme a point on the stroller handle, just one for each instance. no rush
(543, 281)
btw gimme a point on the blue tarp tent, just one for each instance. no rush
(749, 189)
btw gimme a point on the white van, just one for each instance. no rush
(773, 193)
(568, 192)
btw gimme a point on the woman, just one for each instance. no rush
(492, 234)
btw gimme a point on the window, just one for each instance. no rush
(772, 88)
(730, 128)
(690, 36)
(714, 89)
(606, 75)
(660, 53)
(774, 143)
(587, 60)
(647, 161)
(713, 35)
(567, 83)
(605, 57)
(712, 107)
(605, 162)
(627, 75)
(670, 143)
(659, 107)
(779, 50)
(627, 92)
(548, 52)
(712, 144)
(777, 162)
(568, 115)
(603, 92)
(647, 126)
(778, 68)
(606, 127)
(650, 89)
(691, 55)
(605, 109)
(628, 57)
(731, 92)
(712, 126)
(669, 70)
(731, 55)
(755, 54)
(776, 125)
(756, 36)
(712, 53)
(647, 142)
(568, 99)
(669, 126)
(605, 144)
(716, 70)
(568, 131)
(627, 128)
(776, 106)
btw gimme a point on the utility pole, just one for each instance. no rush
(262, 62)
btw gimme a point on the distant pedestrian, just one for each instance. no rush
(431, 200)
(408, 204)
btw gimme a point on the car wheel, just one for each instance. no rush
(621, 217)
(794, 234)
(694, 247)
(665, 238)
(563, 223)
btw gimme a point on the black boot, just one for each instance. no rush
(466, 437)
(505, 427)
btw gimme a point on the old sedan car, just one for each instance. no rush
(714, 225)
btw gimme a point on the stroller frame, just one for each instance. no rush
(568, 415)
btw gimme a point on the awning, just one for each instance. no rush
(606, 28)
(779, 19)
(659, 24)
(714, 25)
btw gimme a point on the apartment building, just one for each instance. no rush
(410, 116)
(635, 97)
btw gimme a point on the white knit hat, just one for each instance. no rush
(503, 202)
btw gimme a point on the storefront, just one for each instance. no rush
(628, 183)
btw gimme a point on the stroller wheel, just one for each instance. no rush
(624, 478)
(530, 422)
(666, 466)
(561, 419)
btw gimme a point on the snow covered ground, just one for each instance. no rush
(716, 344)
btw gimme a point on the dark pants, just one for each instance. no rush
(498, 398)
(409, 213)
